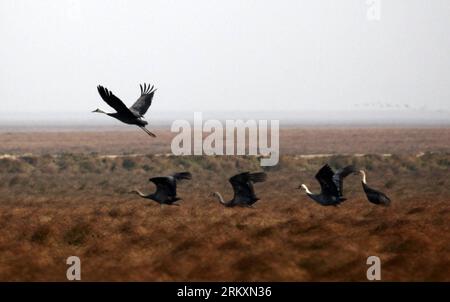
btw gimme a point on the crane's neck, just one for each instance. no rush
(220, 198)
(363, 176)
(139, 193)
(306, 189)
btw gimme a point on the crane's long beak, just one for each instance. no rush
(98, 111)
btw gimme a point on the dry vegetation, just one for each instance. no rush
(329, 140)
(52, 207)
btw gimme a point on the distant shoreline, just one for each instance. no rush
(43, 128)
(87, 121)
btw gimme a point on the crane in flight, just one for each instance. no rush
(331, 184)
(244, 193)
(133, 115)
(374, 196)
(166, 188)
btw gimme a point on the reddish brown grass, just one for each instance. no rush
(329, 140)
(74, 204)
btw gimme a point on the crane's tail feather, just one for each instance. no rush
(183, 175)
(258, 177)
(148, 132)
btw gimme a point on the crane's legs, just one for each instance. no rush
(148, 132)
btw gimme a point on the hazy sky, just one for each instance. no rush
(224, 55)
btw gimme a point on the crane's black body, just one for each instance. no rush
(166, 188)
(133, 115)
(331, 184)
(244, 193)
(374, 196)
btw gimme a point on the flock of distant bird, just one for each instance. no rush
(331, 183)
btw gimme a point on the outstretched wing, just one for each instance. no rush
(164, 187)
(338, 178)
(243, 186)
(182, 175)
(325, 179)
(114, 102)
(258, 177)
(144, 101)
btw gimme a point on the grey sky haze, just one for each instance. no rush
(206, 55)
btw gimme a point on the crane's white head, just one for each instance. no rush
(214, 194)
(304, 187)
(219, 197)
(363, 175)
